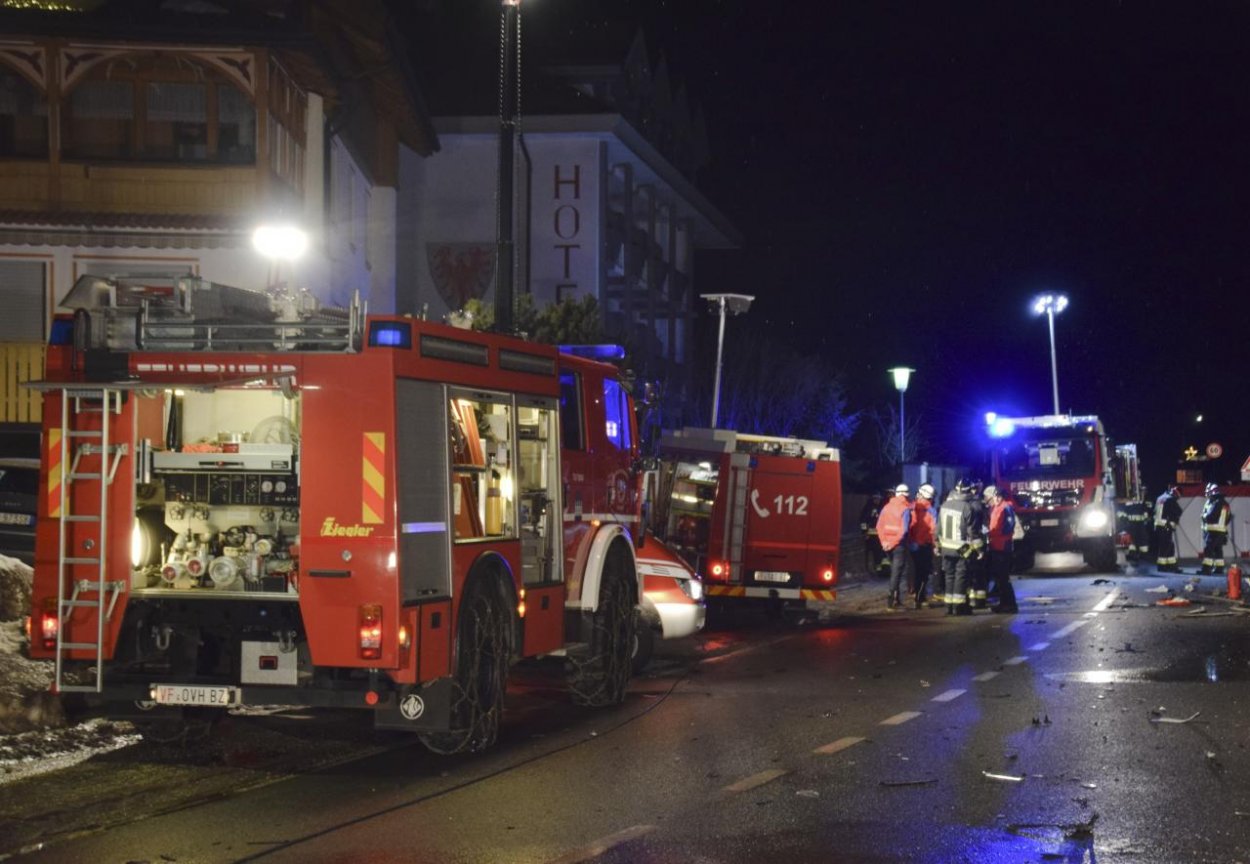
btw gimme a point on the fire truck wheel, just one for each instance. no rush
(599, 673)
(482, 657)
(1102, 555)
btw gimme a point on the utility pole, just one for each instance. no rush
(509, 111)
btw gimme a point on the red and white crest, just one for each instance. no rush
(461, 271)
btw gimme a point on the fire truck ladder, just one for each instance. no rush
(736, 513)
(95, 458)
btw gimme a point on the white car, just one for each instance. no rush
(671, 605)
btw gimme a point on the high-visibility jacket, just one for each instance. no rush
(923, 526)
(1002, 526)
(1216, 515)
(1167, 511)
(955, 523)
(894, 522)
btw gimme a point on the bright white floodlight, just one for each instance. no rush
(280, 242)
(1051, 305)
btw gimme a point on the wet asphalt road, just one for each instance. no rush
(868, 737)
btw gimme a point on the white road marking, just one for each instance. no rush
(900, 718)
(1039, 646)
(1015, 661)
(598, 847)
(839, 745)
(1071, 628)
(986, 676)
(755, 780)
(1105, 603)
(948, 695)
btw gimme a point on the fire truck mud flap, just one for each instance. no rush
(425, 708)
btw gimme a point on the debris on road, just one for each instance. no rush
(1159, 589)
(1101, 581)
(1127, 649)
(1156, 716)
(807, 793)
(924, 782)
(1006, 778)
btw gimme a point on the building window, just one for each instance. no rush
(23, 301)
(100, 121)
(177, 122)
(161, 110)
(23, 117)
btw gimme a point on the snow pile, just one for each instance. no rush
(25, 702)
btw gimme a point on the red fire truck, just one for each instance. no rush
(760, 517)
(248, 499)
(1059, 473)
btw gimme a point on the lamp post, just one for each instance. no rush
(902, 374)
(1051, 305)
(731, 304)
(278, 242)
(509, 112)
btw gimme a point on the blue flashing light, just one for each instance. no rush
(62, 332)
(595, 352)
(390, 334)
(1001, 427)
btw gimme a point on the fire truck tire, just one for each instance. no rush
(599, 672)
(483, 655)
(1101, 555)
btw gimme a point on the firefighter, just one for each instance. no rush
(955, 537)
(921, 536)
(1167, 517)
(1136, 525)
(893, 526)
(999, 536)
(1216, 516)
(873, 556)
(977, 593)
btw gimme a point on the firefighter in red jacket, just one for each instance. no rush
(1002, 528)
(893, 526)
(1216, 516)
(921, 536)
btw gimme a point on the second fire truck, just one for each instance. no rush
(759, 517)
(248, 499)
(1058, 471)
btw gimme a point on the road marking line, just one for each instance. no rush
(1015, 661)
(1039, 646)
(900, 718)
(755, 780)
(1105, 603)
(1071, 628)
(986, 676)
(839, 745)
(598, 847)
(949, 695)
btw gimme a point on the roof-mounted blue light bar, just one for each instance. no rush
(595, 352)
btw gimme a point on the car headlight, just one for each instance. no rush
(1094, 519)
(692, 588)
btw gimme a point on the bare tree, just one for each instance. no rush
(886, 423)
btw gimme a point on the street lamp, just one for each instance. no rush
(902, 374)
(732, 304)
(279, 242)
(1051, 305)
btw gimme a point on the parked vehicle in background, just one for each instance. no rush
(19, 490)
(1058, 471)
(759, 517)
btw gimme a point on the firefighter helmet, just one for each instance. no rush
(991, 492)
(925, 491)
(901, 489)
(963, 485)
(1212, 489)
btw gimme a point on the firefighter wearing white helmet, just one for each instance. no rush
(1216, 515)
(893, 527)
(921, 537)
(1000, 535)
(955, 537)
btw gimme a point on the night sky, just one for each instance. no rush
(907, 176)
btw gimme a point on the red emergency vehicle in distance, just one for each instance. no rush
(760, 517)
(246, 499)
